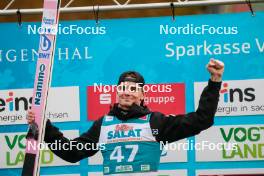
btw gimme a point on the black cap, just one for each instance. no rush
(132, 76)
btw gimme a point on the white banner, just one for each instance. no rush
(230, 172)
(239, 97)
(231, 143)
(63, 105)
(12, 151)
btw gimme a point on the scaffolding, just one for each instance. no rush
(128, 6)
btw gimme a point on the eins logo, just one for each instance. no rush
(12, 103)
(237, 94)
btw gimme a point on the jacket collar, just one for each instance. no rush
(134, 111)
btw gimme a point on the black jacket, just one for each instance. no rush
(166, 128)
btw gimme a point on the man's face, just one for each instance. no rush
(129, 93)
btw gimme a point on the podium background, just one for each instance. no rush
(130, 44)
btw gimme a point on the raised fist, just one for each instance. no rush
(216, 69)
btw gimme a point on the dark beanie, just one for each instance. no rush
(131, 76)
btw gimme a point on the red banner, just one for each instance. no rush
(165, 98)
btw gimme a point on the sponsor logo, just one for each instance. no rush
(44, 55)
(237, 97)
(124, 168)
(232, 143)
(166, 98)
(105, 99)
(45, 46)
(145, 167)
(13, 103)
(40, 81)
(109, 118)
(123, 127)
(48, 21)
(30, 55)
(45, 43)
(248, 139)
(124, 131)
(13, 150)
(237, 94)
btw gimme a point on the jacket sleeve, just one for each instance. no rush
(89, 139)
(175, 127)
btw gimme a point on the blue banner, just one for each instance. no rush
(160, 49)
